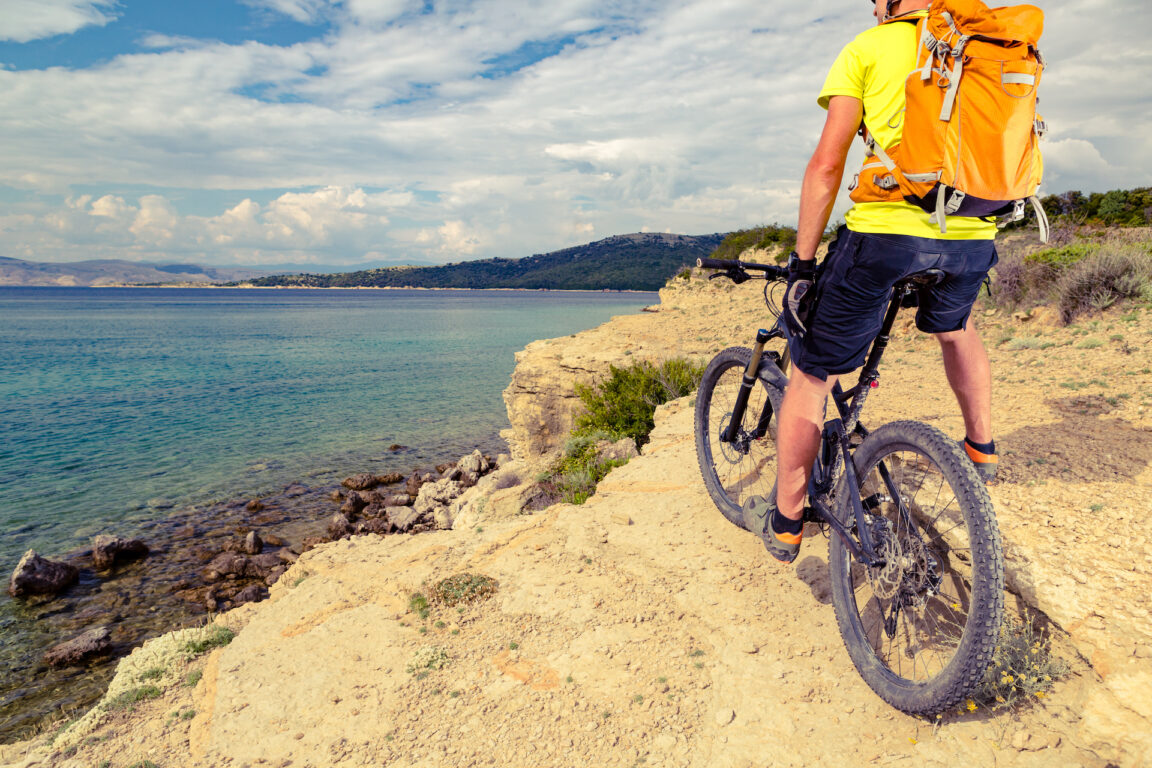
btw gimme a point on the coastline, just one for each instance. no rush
(165, 591)
(643, 626)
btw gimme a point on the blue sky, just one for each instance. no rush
(357, 132)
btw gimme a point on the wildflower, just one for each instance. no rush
(1039, 694)
(971, 705)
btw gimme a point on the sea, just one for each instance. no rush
(120, 407)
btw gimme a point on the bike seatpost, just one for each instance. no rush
(746, 385)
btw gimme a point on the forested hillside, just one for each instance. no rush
(641, 262)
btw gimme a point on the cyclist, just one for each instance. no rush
(833, 321)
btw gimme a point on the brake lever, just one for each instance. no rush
(735, 275)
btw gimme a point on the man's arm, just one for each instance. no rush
(825, 171)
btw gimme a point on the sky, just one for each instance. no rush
(370, 132)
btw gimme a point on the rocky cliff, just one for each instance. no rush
(643, 629)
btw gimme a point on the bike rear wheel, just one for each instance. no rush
(921, 628)
(734, 471)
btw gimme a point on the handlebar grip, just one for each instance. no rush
(771, 271)
(705, 263)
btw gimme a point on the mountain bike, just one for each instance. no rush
(914, 554)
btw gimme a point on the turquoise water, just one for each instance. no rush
(123, 405)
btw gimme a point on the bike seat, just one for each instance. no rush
(927, 277)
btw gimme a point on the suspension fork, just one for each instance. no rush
(749, 381)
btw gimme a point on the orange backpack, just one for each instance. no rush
(970, 143)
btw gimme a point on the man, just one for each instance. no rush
(883, 242)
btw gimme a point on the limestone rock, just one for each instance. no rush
(361, 482)
(253, 544)
(106, 550)
(34, 575)
(94, 642)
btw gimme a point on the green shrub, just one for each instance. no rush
(623, 404)
(129, 699)
(765, 238)
(464, 588)
(1097, 283)
(574, 477)
(215, 636)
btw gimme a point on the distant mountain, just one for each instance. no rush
(641, 261)
(114, 272)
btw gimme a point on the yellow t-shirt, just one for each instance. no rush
(873, 68)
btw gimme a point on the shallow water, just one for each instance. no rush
(122, 408)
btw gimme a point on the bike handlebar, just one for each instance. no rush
(770, 271)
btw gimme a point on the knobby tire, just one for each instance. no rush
(734, 472)
(922, 629)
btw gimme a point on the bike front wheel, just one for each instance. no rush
(920, 627)
(735, 470)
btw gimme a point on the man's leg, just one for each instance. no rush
(800, 422)
(970, 375)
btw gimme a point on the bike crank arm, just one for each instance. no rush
(730, 434)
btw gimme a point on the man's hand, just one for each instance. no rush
(799, 295)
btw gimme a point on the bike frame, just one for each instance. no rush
(835, 453)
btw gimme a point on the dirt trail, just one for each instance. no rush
(643, 629)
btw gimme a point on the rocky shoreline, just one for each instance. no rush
(91, 607)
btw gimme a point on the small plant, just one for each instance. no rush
(454, 694)
(697, 652)
(427, 657)
(418, 604)
(513, 645)
(1089, 343)
(574, 476)
(155, 673)
(193, 678)
(1023, 668)
(144, 764)
(464, 588)
(215, 636)
(188, 714)
(638, 698)
(129, 699)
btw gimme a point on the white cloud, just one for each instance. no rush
(487, 127)
(25, 20)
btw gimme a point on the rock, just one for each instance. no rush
(336, 495)
(339, 526)
(294, 490)
(361, 482)
(621, 450)
(225, 564)
(403, 518)
(106, 550)
(395, 447)
(287, 556)
(398, 500)
(725, 716)
(621, 518)
(380, 525)
(474, 462)
(253, 544)
(35, 575)
(94, 642)
(255, 505)
(390, 479)
(252, 593)
(311, 542)
(353, 504)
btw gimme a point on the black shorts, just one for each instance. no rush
(856, 282)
